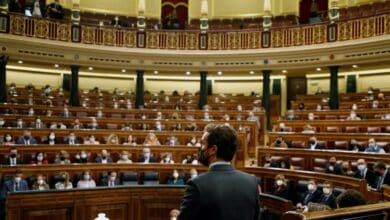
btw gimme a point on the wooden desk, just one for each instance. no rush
(341, 113)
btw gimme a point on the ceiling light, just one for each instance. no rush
(90, 68)
(56, 65)
(251, 72)
(354, 66)
(20, 61)
(188, 73)
(318, 69)
(155, 72)
(123, 70)
(219, 73)
(284, 71)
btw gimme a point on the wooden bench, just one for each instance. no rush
(341, 114)
(343, 105)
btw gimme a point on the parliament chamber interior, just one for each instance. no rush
(103, 105)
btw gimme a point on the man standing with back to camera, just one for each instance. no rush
(222, 193)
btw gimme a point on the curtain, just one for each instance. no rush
(174, 14)
(351, 84)
(277, 87)
(304, 9)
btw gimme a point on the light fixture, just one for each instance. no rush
(284, 71)
(155, 72)
(354, 66)
(251, 72)
(56, 65)
(188, 73)
(123, 70)
(219, 73)
(90, 68)
(20, 61)
(318, 69)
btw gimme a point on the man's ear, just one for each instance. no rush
(213, 149)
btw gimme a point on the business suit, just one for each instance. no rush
(329, 200)
(12, 186)
(67, 141)
(26, 142)
(367, 174)
(100, 160)
(7, 161)
(106, 182)
(142, 160)
(311, 197)
(336, 169)
(382, 180)
(222, 193)
(317, 146)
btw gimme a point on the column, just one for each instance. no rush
(139, 91)
(3, 81)
(334, 87)
(74, 86)
(266, 96)
(75, 15)
(203, 89)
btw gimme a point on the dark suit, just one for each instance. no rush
(7, 161)
(11, 186)
(329, 200)
(316, 147)
(100, 160)
(368, 175)
(67, 141)
(311, 197)
(382, 180)
(222, 193)
(105, 181)
(336, 169)
(151, 160)
(23, 141)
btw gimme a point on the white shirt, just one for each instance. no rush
(60, 185)
(124, 161)
(86, 184)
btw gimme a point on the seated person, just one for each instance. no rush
(40, 183)
(191, 127)
(194, 142)
(284, 163)
(86, 181)
(51, 139)
(312, 195)
(59, 125)
(313, 144)
(167, 158)
(269, 162)
(207, 117)
(71, 140)
(39, 159)
(193, 173)
(291, 115)
(81, 157)
(26, 139)
(355, 146)
(125, 157)
(327, 198)
(113, 139)
(172, 141)
(333, 167)
(382, 176)
(373, 147)
(281, 187)
(16, 184)
(13, 158)
(93, 125)
(279, 143)
(64, 182)
(190, 159)
(225, 117)
(130, 140)
(66, 113)
(350, 198)
(31, 112)
(37, 123)
(363, 172)
(77, 125)
(62, 158)
(8, 139)
(158, 126)
(151, 140)
(159, 116)
(301, 106)
(175, 179)
(127, 127)
(20, 123)
(352, 116)
(90, 140)
(175, 116)
(308, 129)
(347, 169)
(55, 10)
(146, 156)
(103, 157)
(111, 181)
(252, 117)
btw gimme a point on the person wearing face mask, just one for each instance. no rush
(375, 104)
(353, 116)
(373, 147)
(31, 112)
(8, 139)
(39, 159)
(193, 142)
(362, 172)
(13, 158)
(38, 123)
(26, 139)
(20, 123)
(327, 198)
(173, 214)
(252, 117)
(113, 139)
(382, 176)
(125, 157)
(40, 183)
(71, 140)
(205, 197)
(146, 156)
(2, 122)
(64, 182)
(312, 195)
(206, 117)
(77, 124)
(103, 157)
(193, 173)
(81, 157)
(333, 167)
(51, 139)
(313, 144)
(16, 184)
(175, 179)
(112, 180)
(66, 113)
(86, 181)
(172, 141)
(158, 126)
(310, 116)
(90, 140)
(62, 158)
(93, 125)
(279, 143)
(281, 187)
(167, 159)
(355, 146)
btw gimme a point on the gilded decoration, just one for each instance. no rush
(41, 29)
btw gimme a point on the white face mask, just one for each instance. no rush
(38, 121)
(18, 179)
(175, 175)
(311, 187)
(87, 177)
(125, 157)
(92, 139)
(112, 178)
(143, 117)
(193, 141)
(279, 182)
(193, 175)
(2, 123)
(326, 191)
(83, 156)
(40, 158)
(40, 182)
(52, 137)
(147, 155)
(173, 218)
(20, 123)
(8, 138)
(361, 167)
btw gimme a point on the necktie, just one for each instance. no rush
(111, 183)
(17, 186)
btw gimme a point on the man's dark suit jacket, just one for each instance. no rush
(328, 200)
(9, 186)
(151, 160)
(370, 176)
(317, 146)
(75, 141)
(99, 160)
(7, 161)
(222, 193)
(104, 182)
(313, 197)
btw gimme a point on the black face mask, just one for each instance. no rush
(278, 141)
(13, 155)
(202, 158)
(62, 158)
(104, 157)
(312, 142)
(26, 137)
(378, 173)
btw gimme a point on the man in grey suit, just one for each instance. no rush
(222, 193)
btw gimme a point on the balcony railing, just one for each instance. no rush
(191, 40)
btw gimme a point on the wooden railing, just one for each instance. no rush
(190, 40)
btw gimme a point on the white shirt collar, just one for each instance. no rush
(219, 163)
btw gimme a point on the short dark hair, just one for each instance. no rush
(350, 198)
(225, 138)
(380, 165)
